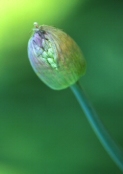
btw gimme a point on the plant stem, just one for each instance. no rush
(110, 146)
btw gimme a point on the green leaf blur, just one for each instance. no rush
(43, 131)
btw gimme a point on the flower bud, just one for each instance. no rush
(55, 57)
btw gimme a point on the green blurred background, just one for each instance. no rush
(43, 131)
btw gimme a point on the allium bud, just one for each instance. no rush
(55, 57)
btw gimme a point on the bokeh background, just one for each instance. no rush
(43, 131)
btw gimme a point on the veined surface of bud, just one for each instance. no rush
(55, 57)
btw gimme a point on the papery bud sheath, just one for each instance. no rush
(55, 57)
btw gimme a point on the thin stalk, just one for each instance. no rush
(108, 143)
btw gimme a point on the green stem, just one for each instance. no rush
(110, 146)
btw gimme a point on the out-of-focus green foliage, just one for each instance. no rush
(44, 131)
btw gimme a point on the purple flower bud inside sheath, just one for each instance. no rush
(55, 57)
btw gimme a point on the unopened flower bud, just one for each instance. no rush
(55, 57)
